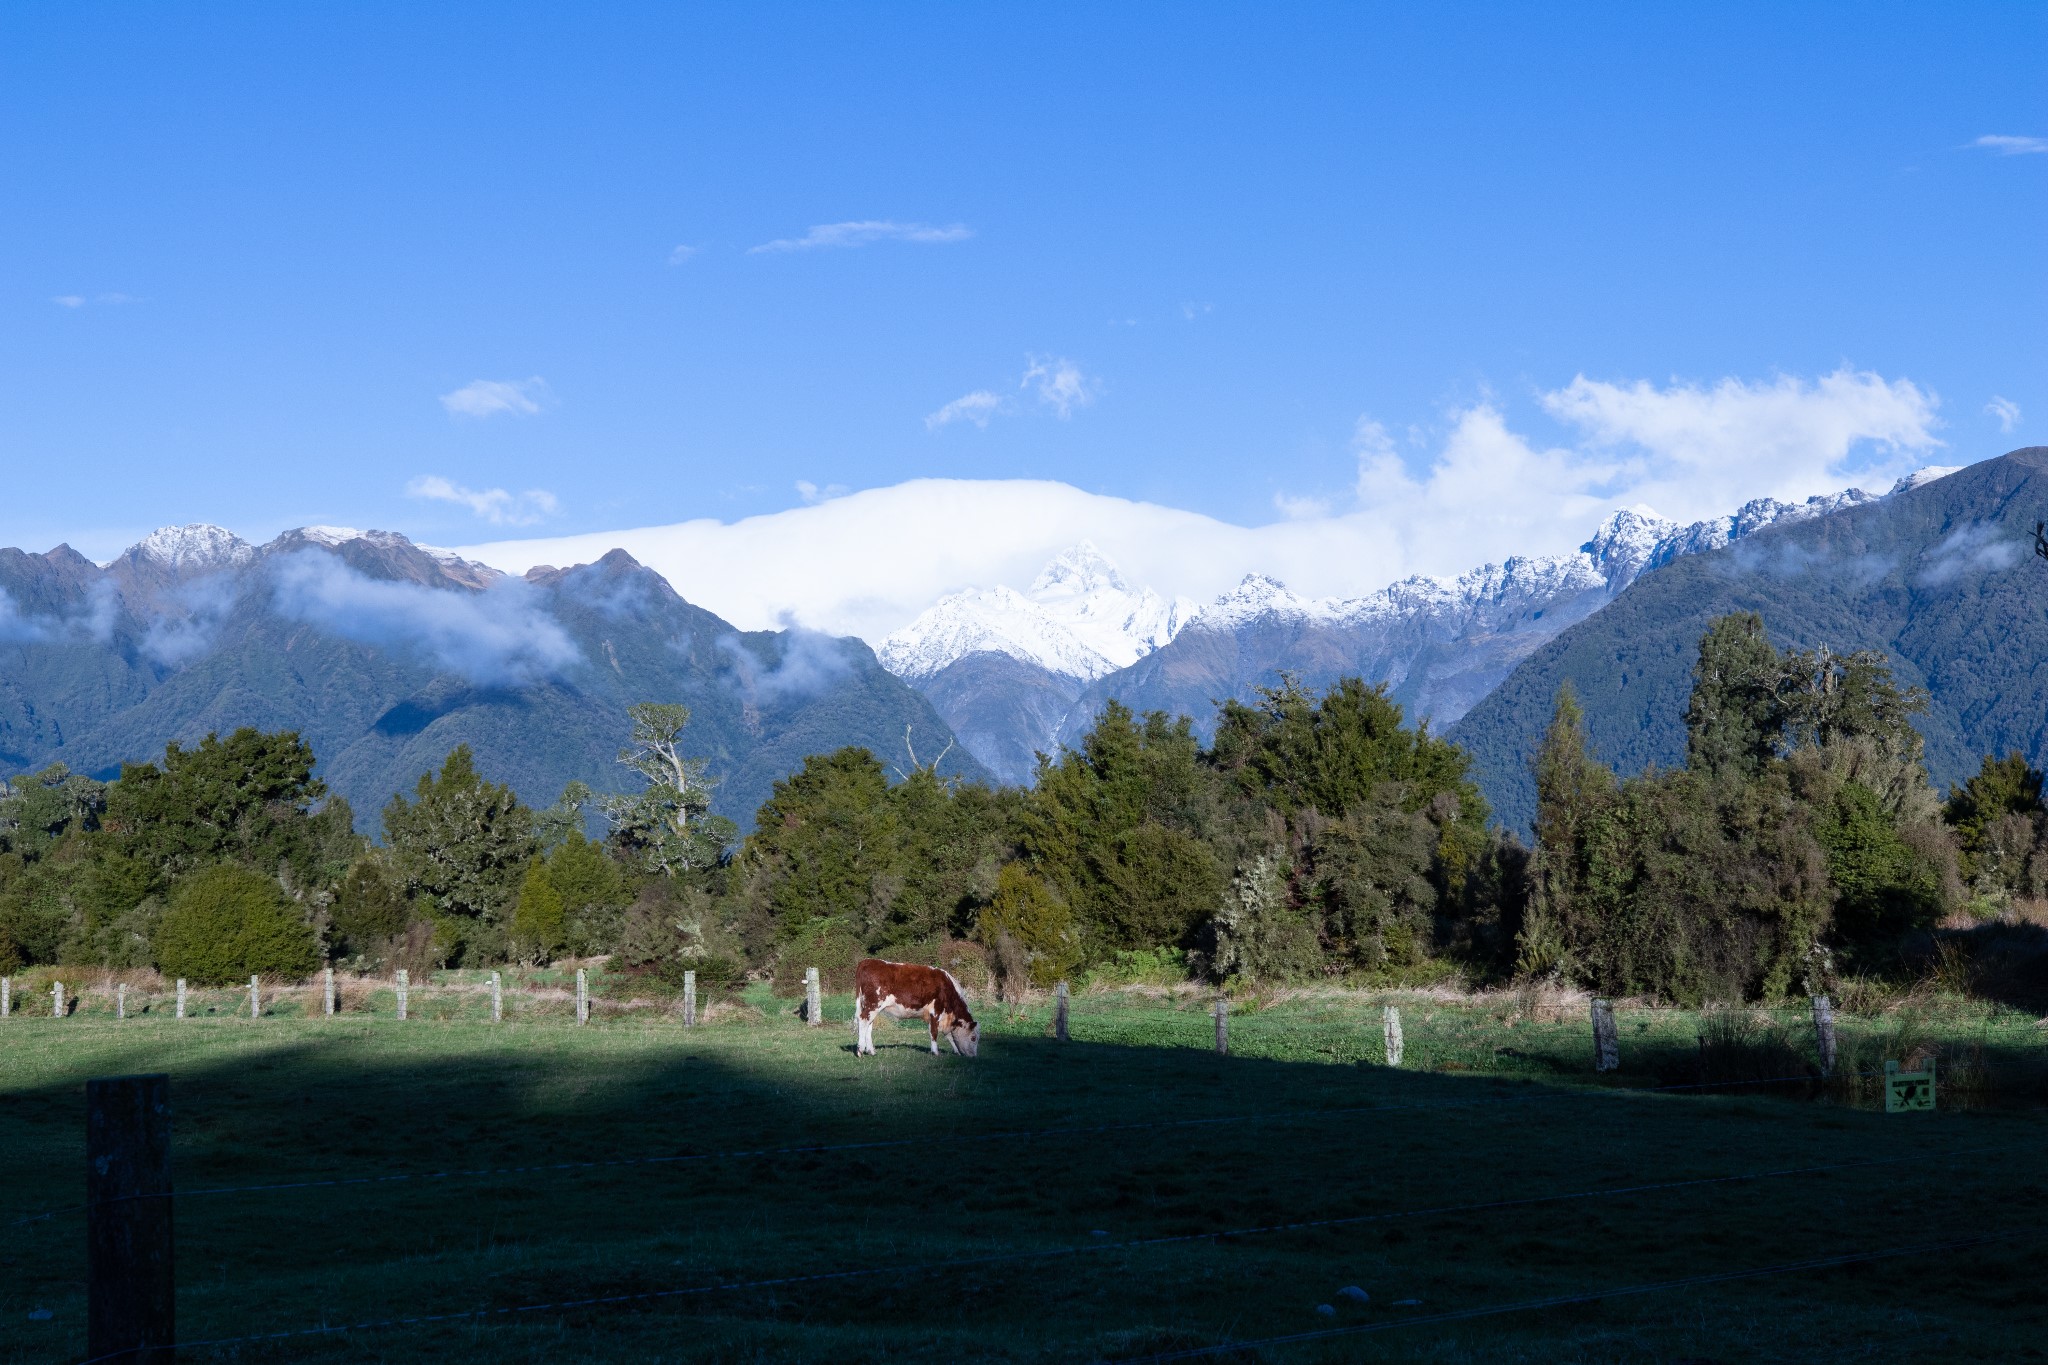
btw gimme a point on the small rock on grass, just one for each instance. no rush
(1326, 1310)
(40, 1315)
(1354, 1293)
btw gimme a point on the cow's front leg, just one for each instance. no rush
(933, 1021)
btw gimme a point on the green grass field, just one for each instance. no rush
(1113, 1198)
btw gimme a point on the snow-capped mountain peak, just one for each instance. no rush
(194, 548)
(1076, 572)
(1081, 619)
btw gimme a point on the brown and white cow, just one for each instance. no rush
(904, 990)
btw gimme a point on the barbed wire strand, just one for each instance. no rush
(955, 1264)
(1592, 1296)
(879, 1144)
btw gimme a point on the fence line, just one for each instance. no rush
(877, 1144)
(954, 1264)
(1566, 1300)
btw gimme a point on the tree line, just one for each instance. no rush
(1318, 836)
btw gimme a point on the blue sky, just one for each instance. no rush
(1185, 250)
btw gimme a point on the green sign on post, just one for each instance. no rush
(1907, 1092)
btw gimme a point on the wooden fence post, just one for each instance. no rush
(121, 1000)
(1222, 1026)
(1390, 1025)
(130, 1279)
(582, 997)
(1824, 1033)
(181, 997)
(1606, 1045)
(56, 1000)
(1059, 1012)
(497, 999)
(689, 1000)
(327, 990)
(814, 1009)
(402, 984)
(255, 999)
(6, 996)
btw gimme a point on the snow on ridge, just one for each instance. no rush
(197, 545)
(1082, 619)
(330, 536)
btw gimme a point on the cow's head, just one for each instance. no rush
(965, 1036)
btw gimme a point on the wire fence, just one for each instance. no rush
(1532, 1091)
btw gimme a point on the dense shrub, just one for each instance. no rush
(226, 923)
(1025, 912)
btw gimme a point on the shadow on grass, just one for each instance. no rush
(1125, 1146)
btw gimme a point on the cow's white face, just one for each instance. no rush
(966, 1039)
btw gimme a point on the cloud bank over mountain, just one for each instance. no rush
(867, 563)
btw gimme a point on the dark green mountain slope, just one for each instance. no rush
(386, 657)
(1942, 578)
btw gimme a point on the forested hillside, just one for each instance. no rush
(384, 657)
(1940, 578)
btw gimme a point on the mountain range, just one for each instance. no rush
(385, 655)
(1016, 674)
(1942, 577)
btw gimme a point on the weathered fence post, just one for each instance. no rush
(56, 1000)
(582, 997)
(814, 1009)
(403, 982)
(131, 1285)
(497, 999)
(1222, 1026)
(255, 999)
(121, 1000)
(1824, 1033)
(6, 996)
(181, 997)
(1606, 1046)
(689, 1000)
(1059, 1012)
(327, 990)
(1390, 1025)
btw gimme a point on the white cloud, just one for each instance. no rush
(2005, 410)
(681, 253)
(976, 407)
(1482, 492)
(864, 232)
(2007, 145)
(495, 505)
(1190, 311)
(501, 636)
(1059, 383)
(1693, 451)
(489, 397)
(103, 300)
(812, 494)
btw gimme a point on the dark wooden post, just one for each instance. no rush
(1059, 1013)
(1606, 1041)
(131, 1286)
(1222, 1025)
(1824, 1033)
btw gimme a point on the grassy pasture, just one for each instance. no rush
(1007, 1230)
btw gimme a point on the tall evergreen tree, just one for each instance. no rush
(1735, 718)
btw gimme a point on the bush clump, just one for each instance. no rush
(226, 923)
